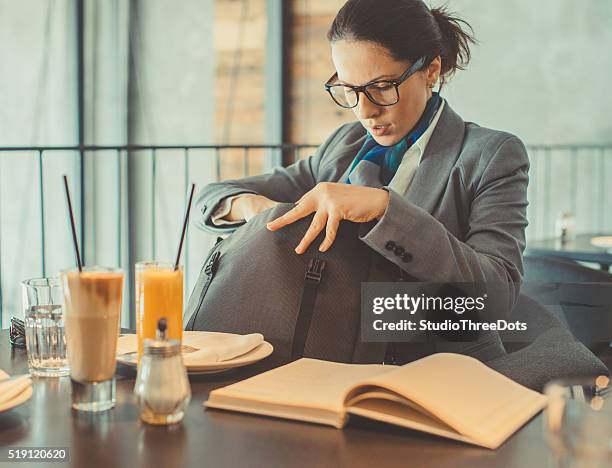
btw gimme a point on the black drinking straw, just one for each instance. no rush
(74, 236)
(180, 248)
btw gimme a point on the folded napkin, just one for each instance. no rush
(127, 343)
(9, 389)
(209, 347)
(224, 350)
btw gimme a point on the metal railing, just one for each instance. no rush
(245, 160)
(554, 169)
(572, 178)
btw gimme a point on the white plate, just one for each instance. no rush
(603, 242)
(128, 342)
(16, 401)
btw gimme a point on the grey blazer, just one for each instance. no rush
(462, 220)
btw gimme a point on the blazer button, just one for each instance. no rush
(399, 251)
(407, 257)
(390, 245)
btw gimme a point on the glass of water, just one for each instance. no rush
(44, 327)
(578, 422)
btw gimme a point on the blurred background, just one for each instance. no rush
(136, 99)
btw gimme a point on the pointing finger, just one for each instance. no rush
(316, 226)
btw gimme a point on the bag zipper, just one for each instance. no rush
(210, 268)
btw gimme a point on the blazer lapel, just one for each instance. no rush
(431, 177)
(348, 153)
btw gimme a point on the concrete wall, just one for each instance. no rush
(542, 71)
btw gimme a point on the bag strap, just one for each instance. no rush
(314, 275)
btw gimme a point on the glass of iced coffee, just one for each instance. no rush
(92, 310)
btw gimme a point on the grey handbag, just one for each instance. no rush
(305, 305)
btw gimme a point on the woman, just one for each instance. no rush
(449, 196)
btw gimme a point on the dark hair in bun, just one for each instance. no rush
(408, 29)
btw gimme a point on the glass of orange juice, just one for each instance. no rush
(159, 293)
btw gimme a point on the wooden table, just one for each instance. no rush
(223, 439)
(579, 249)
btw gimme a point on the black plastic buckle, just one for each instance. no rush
(315, 270)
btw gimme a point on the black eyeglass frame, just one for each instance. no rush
(415, 67)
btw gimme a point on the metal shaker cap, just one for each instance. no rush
(160, 346)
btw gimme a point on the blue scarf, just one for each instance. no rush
(375, 165)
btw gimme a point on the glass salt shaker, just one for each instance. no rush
(162, 387)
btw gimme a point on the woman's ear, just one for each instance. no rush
(433, 71)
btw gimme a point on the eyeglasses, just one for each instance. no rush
(379, 92)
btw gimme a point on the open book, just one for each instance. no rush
(449, 395)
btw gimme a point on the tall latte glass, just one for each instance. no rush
(92, 301)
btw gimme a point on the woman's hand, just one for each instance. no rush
(332, 202)
(247, 206)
